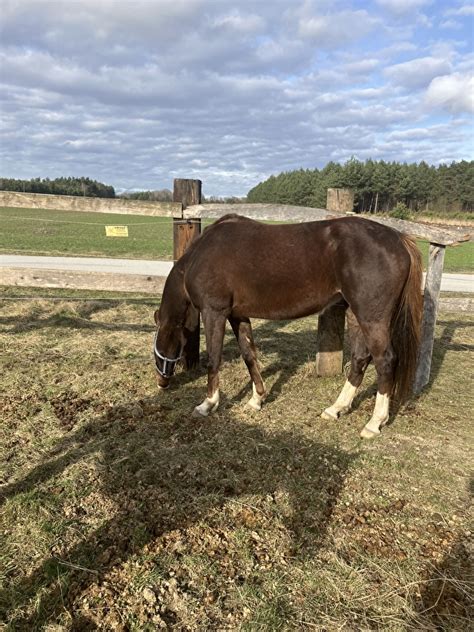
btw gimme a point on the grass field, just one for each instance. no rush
(457, 258)
(121, 512)
(31, 231)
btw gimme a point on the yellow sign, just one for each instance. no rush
(116, 231)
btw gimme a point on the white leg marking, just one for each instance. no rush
(256, 400)
(342, 404)
(209, 405)
(379, 418)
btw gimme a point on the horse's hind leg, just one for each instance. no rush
(378, 341)
(214, 326)
(243, 332)
(360, 358)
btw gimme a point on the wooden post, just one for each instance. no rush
(185, 231)
(330, 341)
(188, 192)
(340, 200)
(430, 311)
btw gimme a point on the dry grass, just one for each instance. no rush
(121, 512)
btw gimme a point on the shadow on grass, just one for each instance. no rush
(163, 474)
(446, 601)
(444, 343)
(73, 318)
(294, 350)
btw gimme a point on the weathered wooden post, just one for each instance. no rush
(430, 311)
(188, 192)
(330, 341)
(340, 200)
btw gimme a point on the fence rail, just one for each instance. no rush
(285, 213)
(90, 204)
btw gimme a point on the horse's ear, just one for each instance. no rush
(156, 316)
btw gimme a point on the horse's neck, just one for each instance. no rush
(174, 294)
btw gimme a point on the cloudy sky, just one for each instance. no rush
(135, 93)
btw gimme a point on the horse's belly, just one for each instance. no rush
(284, 314)
(280, 307)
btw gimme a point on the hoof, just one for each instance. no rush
(253, 405)
(203, 409)
(256, 401)
(369, 434)
(328, 416)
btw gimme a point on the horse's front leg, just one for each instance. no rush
(214, 327)
(243, 332)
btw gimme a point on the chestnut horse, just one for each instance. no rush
(240, 269)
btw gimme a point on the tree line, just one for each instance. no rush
(92, 188)
(165, 195)
(59, 186)
(378, 186)
(161, 195)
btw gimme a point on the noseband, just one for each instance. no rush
(169, 364)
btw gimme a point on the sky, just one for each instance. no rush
(136, 93)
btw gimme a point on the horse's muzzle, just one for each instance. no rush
(168, 366)
(165, 367)
(163, 382)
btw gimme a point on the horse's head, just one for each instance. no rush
(170, 341)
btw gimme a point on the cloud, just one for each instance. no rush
(450, 24)
(453, 93)
(330, 30)
(135, 92)
(417, 73)
(400, 7)
(465, 10)
(237, 23)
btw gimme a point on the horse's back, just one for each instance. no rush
(291, 270)
(237, 240)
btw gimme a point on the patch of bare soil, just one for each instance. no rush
(67, 406)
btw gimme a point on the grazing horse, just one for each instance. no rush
(240, 269)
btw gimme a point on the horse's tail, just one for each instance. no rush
(406, 324)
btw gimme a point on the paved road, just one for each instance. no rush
(449, 283)
(88, 264)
